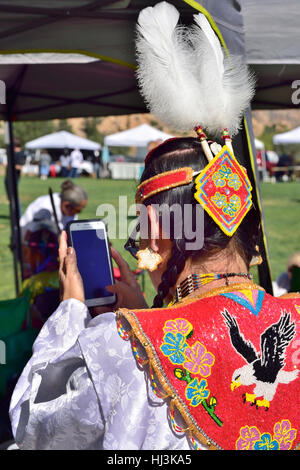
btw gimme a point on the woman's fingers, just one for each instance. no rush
(126, 274)
(62, 249)
(128, 297)
(71, 261)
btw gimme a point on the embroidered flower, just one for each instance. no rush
(266, 443)
(234, 181)
(230, 209)
(179, 325)
(198, 360)
(248, 437)
(225, 172)
(236, 202)
(284, 434)
(196, 392)
(219, 200)
(218, 180)
(174, 347)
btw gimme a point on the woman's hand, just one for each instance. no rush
(128, 291)
(129, 294)
(71, 285)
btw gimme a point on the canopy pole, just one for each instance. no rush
(15, 238)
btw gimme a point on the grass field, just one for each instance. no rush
(281, 205)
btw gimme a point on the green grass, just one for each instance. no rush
(281, 204)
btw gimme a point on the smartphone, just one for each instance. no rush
(90, 241)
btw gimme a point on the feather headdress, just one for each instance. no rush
(184, 75)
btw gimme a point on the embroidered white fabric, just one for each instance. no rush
(82, 389)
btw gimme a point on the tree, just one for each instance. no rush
(63, 125)
(89, 127)
(26, 131)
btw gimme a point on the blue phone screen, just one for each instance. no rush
(92, 261)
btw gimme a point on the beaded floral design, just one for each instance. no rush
(251, 438)
(224, 191)
(195, 363)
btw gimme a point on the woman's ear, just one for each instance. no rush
(154, 229)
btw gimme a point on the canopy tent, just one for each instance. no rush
(259, 145)
(139, 136)
(62, 140)
(290, 137)
(43, 82)
(272, 37)
(83, 63)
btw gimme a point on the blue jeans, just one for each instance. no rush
(73, 172)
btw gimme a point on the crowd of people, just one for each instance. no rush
(67, 165)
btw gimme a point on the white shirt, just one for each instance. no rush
(76, 159)
(64, 160)
(44, 202)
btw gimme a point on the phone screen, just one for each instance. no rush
(93, 262)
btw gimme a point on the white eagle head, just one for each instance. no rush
(243, 376)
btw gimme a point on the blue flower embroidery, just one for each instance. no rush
(219, 200)
(196, 392)
(234, 181)
(218, 180)
(236, 203)
(229, 209)
(225, 172)
(173, 347)
(266, 443)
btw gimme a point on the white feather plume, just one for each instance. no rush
(184, 75)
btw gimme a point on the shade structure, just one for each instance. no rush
(272, 37)
(259, 145)
(139, 136)
(40, 86)
(290, 137)
(74, 58)
(62, 140)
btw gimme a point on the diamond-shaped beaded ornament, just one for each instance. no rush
(224, 190)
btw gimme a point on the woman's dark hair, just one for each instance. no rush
(187, 152)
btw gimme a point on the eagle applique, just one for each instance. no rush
(264, 369)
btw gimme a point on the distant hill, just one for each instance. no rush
(281, 119)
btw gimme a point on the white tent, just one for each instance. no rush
(62, 140)
(139, 136)
(259, 145)
(290, 137)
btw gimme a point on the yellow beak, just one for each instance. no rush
(235, 384)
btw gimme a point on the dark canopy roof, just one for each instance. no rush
(103, 30)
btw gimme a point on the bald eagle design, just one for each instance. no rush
(264, 369)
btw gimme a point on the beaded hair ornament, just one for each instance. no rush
(189, 83)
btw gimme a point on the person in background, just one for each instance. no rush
(282, 284)
(97, 160)
(68, 204)
(76, 158)
(64, 163)
(45, 161)
(20, 158)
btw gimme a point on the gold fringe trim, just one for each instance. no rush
(192, 427)
(290, 295)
